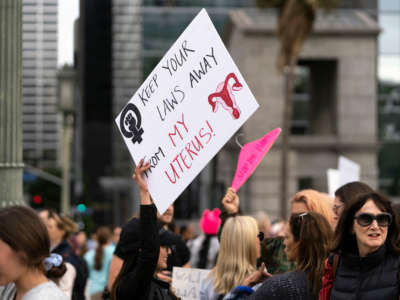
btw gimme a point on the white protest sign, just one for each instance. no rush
(186, 282)
(333, 181)
(348, 171)
(190, 105)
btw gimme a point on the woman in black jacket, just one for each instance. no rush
(147, 255)
(366, 248)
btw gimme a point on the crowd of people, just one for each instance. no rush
(342, 248)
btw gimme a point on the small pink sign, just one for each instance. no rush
(251, 155)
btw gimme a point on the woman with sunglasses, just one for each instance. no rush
(345, 195)
(366, 262)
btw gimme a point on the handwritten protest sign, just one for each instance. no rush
(185, 111)
(251, 155)
(186, 282)
(347, 171)
(333, 181)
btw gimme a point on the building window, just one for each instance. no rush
(314, 98)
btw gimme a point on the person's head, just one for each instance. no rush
(307, 242)
(366, 225)
(130, 249)
(81, 238)
(103, 235)
(210, 221)
(278, 228)
(116, 234)
(238, 252)
(167, 217)
(59, 227)
(167, 240)
(187, 232)
(271, 250)
(312, 200)
(24, 245)
(264, 223)
(396, 212)
(346, 194)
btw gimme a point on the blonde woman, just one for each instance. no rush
(312, 200)
(238, 253)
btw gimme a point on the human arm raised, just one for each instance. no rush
(137, 279)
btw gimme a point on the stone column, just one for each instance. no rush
(11, 165)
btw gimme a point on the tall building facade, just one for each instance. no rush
(95, 74)
(389, 96)
(40, 118)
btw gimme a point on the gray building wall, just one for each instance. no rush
(41, 121)
(344, 120)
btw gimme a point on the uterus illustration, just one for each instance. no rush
(224, 96)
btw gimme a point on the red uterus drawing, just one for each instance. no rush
(225, 97)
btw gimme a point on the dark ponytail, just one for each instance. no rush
(55, 273)
(23, 230)
(203, 254)
(103, 237)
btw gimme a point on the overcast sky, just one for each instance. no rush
(68, 11)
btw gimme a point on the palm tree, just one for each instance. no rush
(295, 23)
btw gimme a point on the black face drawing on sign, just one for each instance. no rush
(131, 123)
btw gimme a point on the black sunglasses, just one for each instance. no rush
(365, 219)
(260, 236)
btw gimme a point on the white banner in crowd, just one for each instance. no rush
(186, 282)
(348, 171)
(190, 105)
(333, 181)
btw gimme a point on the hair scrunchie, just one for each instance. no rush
(54, 260)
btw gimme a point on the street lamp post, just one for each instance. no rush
(66, 90)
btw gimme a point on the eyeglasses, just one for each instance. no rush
(260, 236)
(365, 219)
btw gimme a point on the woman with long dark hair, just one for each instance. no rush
(307, 242)
(345, 195)
(98, 261)
(366, 262)
(25, 261)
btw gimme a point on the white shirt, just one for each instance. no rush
(44, 291)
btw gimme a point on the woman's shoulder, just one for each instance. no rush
(88, 256)
(284, 281)
(110, 249)
(45, 291)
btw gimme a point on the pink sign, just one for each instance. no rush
(251, 155)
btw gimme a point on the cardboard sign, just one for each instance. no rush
(348, 170)
(251, 155)
(186, 282)
(185, 111)
(333, 181)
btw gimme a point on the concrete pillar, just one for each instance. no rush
(11, 165)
